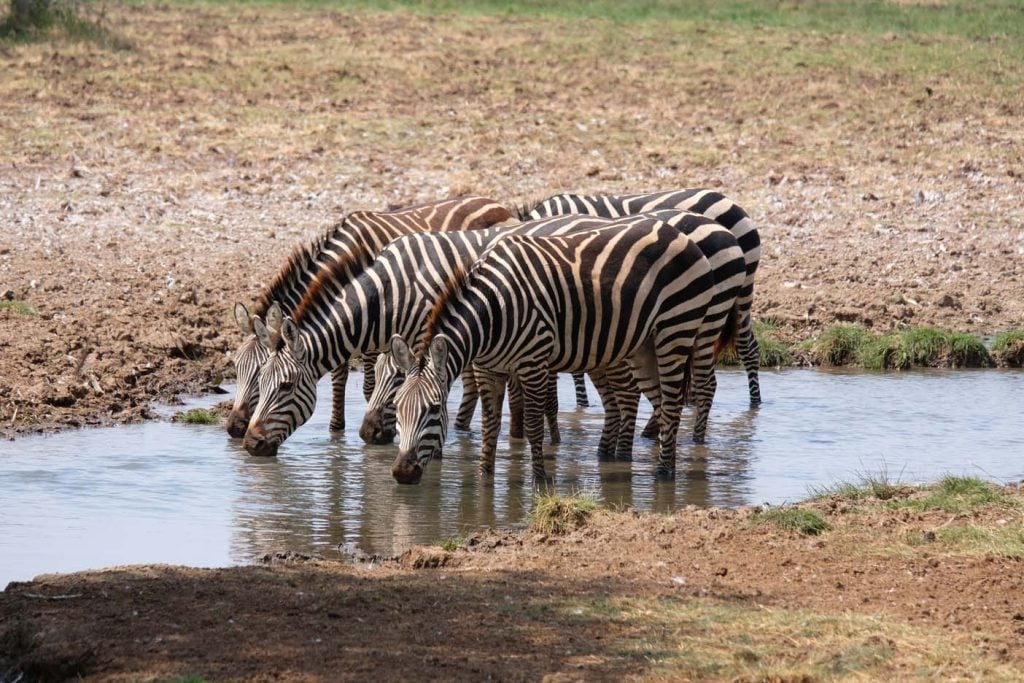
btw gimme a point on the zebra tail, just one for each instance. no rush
(726, 342)
(688, 379)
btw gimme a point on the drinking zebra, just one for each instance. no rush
(719, 330)
(332, 323)
(709, 203)
(568, 303)
(354, 242)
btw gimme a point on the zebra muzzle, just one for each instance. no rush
(373, 431)
(257, 444)
(237, 423)
(406, 470)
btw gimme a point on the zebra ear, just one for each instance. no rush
(402, 354)
(292, 339)
(243, 320)
(261, 331)
(274, 317)
(439, 355)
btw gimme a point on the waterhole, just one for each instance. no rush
(163, 492)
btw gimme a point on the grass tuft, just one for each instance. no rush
(554, 514)
(1008, 349)
(882, 353)
(874, 485)
(806, 522)
(956, 494)
(774, 352)
(17, 306)
(922, 346)
(452, 543)
(840, 344)
(197, 416)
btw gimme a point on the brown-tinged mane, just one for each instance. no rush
(455, 282)
(302, 256)
(319, 291)
(523, 210)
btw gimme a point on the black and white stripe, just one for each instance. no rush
(356, 241)
(330, 326)
(634, 292)
(710, 203)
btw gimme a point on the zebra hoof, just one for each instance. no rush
(461, 426)
(698, 439)
(650, 433)
(514, 433)
(665, 473)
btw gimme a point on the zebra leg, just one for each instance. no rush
(551, 408)
(339, 377)
(470, 393)
(369, 374)
(610, 428)
(491, 388)
(533, 382)
(750, 354)
(672, 379)
(582, 400)
(645, 372)
(703, 384)
(515, 408)
(627, 397)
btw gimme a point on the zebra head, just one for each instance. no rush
(247, 358)
(287, 386)
(379, 423)
(420, 407)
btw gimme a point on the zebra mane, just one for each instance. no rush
(522, 210)
(455, 282)
(303, 257)
(319, 290)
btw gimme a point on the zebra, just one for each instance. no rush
(334, 322)
(721, 322)
(712, 204)
(362, 234)
(576, 302)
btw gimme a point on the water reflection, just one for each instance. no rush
(164, 492)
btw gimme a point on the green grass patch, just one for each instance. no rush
(554, 514)
(956, 494)
(774, 352)
(914, 347)
(1008, 349)
(840, 344)
(71, 20)
(866, 486)
(197, 416)
(452, 543)
(17, 306)
(956, 17)
(807, 522)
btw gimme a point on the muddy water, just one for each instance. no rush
(163, 492)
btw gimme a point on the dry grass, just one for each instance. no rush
(701, 639)
(554, 514)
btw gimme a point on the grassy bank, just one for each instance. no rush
(857, 346)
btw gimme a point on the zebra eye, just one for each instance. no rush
(287, 386)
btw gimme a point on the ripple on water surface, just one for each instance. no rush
(186, 494)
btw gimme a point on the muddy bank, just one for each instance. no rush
(144, 191)
(912, 583)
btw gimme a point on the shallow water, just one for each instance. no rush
(187, 494)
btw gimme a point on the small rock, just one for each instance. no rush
(7, 295)
(722, 571)
(948, 301)
(678, 580)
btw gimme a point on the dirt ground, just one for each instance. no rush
(885, 593)
(143, 191)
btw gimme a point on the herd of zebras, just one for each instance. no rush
(641, 292)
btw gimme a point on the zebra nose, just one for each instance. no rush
(370, 430)
(256, 443)
(406, 470)
(238, 420)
